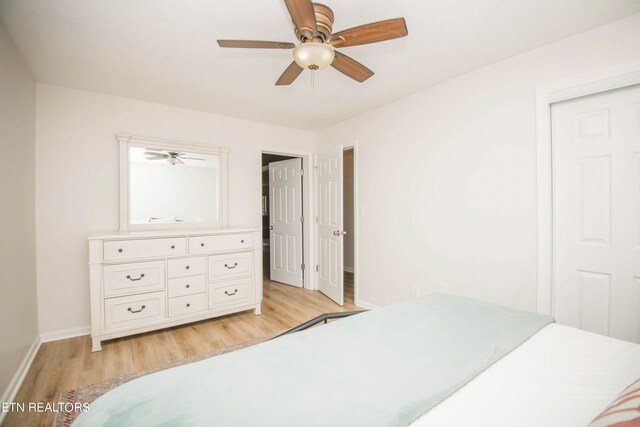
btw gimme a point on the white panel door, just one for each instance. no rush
(596, 204)
(330, 225)
(285, 216)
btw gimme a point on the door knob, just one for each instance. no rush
(336, 233)
(271, 227)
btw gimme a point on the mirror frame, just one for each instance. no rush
(127, 141)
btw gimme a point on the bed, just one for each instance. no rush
(561, 376)
(440, 360)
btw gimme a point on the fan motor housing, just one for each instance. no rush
(324, 22)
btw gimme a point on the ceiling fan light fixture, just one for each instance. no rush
(174, 161)
(313, 56)
(313, 27)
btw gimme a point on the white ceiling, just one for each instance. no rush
(165, 50)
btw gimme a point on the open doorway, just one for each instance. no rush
(348, 195)
(282, 219)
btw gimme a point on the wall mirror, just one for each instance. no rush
(167, 184)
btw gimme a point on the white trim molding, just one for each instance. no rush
(365, 305)
(602, 80)
(18, 378)
(64, 334)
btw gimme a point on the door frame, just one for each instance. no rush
(601, 80)
(308, 197)
(349, 145)
(353, 145)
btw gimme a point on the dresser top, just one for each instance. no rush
(124, 235)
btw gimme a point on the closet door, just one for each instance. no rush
(596, 186)
(330, 225)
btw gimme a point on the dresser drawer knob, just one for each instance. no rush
(136, 311)
(235, 264)
(188, 286)
(202, 244)
(187, 267)
(235, 291)
(173, 246)
(120, 250)
(242, 241)
(188, 305)
(135, 280)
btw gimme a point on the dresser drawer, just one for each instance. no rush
(185, 267)
(134, 310)
(233, 292)
(187, 304)
(222, 267)
(227, 242)
(115, 250)
(123, 279)
(186, 286)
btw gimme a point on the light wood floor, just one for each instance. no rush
(69, 364)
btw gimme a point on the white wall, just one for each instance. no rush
(77, 180)
(447, 177)
(18, 309)
(348, 203)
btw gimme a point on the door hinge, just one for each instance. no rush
(317, 267)
(302, 266)
(317, 219)
(302, 219)
(301, 172)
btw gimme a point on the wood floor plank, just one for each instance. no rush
(69, 364)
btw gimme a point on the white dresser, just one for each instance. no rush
(142, 281)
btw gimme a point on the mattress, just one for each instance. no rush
(561, 376)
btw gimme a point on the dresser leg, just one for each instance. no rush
(95, 344)
(258, 310)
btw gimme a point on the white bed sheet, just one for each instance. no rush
(561, 376)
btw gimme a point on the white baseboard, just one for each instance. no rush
(365, 305)
(16, 382)
(348, 269)
(67, 333)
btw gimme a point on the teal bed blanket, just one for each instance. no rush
(385, 367)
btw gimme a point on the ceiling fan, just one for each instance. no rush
(313, 26)
(173, 157)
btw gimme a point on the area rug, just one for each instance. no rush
(90, 393)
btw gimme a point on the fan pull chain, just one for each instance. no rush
(313, 83)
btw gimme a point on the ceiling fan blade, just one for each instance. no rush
(303, 16)
(370, 33)
(289, 75)
(255, 44)
(192, 158)
(351, 67)
(154, 153)
(155, 157)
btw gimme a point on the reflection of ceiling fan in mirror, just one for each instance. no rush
(172, 157)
